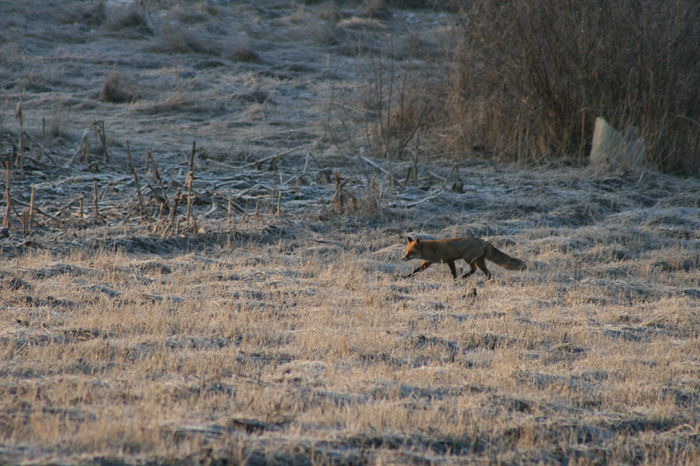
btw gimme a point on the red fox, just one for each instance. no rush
(473, 250)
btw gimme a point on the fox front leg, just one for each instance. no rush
(452, 269)
(420, 268)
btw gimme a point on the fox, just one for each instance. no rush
(475, 251)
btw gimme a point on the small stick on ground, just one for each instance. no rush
(258, 163)
(34, 208)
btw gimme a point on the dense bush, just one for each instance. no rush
(530, 77)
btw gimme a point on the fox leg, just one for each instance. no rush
(481, 263)
(420, 268)
(473, 269)
(452, 268)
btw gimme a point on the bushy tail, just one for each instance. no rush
(503, 259)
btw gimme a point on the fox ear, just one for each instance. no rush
(409, 239)
(417, 241)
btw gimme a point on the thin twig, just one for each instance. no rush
(131, 168)
(95, 211)
(8, 196)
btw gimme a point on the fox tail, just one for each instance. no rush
(504, 260)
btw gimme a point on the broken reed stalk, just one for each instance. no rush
(153, 172)
(20, 117)
(82, 201)
(131, 168)
(229, 217)
(173, 213)
(100, 129)
(43, 139)
(82, 150)
(8, 196)
(279, 203)
(188, 182)
(24, 218)
(95, 211)
(31, 207)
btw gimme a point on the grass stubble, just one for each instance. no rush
(282, 351)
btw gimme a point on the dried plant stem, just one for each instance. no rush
(136, 179)
(31, 206)
(229, 216)
(95, 207)
(100, 129)
(24, 218)
(188, 182)
(8, 196)
(42, 148)
(19, 161)
(173, 213)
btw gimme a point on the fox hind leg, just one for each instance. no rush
(473, 269)
(481, 263)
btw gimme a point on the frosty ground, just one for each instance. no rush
(266, 319)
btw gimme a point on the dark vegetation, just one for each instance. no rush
(531, 76)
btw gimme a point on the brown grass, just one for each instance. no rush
(117, 88)
(303, 343)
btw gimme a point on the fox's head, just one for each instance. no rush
(412, 249)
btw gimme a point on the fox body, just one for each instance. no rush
(474, 251)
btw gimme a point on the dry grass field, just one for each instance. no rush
(248, 307)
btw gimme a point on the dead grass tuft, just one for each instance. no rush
(179, 39)
(133, 18)
(91, 14)
(117, 88)
(244, 54)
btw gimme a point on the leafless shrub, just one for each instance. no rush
(397, 109)
(531, 76)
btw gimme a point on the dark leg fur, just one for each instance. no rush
(481, 263)
(467, 274)
(452, 268)
(420, 268)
